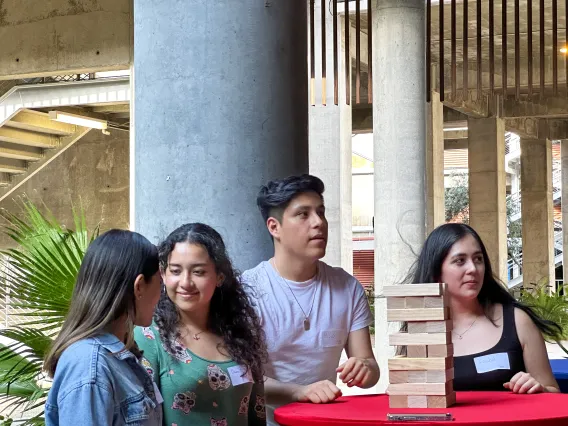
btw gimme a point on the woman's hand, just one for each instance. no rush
(524, 383)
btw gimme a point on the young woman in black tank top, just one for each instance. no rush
(497, 341)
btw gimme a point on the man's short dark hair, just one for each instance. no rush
(274, 197)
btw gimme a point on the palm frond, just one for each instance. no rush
(36, 281)
(549, 306)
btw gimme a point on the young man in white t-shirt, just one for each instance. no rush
(309, 310)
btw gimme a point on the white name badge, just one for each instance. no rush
(236, 375)
(486, 363)
(159, 398)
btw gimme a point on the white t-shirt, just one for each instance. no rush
(296, 355)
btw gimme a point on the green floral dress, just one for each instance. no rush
(199, 392)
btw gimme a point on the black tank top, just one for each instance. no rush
(466, 375)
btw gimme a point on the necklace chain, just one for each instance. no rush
(460, 336)
(306, 317)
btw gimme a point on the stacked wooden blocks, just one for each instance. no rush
(424, 377)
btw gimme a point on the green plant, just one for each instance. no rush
(456, 197)
(552, 306)
(39, 276)
(371, 299)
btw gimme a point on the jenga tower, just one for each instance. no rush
(424, 377)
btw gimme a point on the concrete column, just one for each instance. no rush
(564, 201)
(435, 213)
(330, 149)
(487, 188)
(220, 107)
(537, 211)
(399, 134)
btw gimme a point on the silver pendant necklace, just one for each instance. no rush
(306, 317)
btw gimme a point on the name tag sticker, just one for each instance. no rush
(159, 398)
(331, 338)
(236, 374)
(486, 363)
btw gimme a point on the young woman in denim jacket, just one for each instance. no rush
(94, 361)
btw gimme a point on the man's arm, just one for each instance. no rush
(361, 369)
(279, 393)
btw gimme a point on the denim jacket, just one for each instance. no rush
(98, 382)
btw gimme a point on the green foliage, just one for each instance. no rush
(514, 235)
(39, 278)
(457, 197)
(552, 306)
(370, 292)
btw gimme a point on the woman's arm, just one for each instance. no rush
(535, 357)
(90, 404)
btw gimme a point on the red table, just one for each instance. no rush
(472, 409)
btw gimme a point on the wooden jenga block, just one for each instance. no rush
(429, 326)
(404, 339)
(422, 401)
(408, 401)
(420, 351)
(431, 314)
(441, 389)
(434, 302)
(415, 302)
(420, 364)
(437, 376)
(440, 351)
(441, 401)
(396, 302)
(400, 401)
(434, 289)
(400, 376)
(430, 376)
(417, 401)
(417, 377)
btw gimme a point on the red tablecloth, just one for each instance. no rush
(472, 409)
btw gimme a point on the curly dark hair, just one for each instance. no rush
(231, 315)
(274, 197)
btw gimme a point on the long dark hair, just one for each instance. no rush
(104, 290)
(428, 269)
(231, 313)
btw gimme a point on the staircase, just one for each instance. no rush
(30, 140)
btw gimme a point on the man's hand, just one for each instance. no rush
(524, 383)
(317, 393)
(355, 371)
